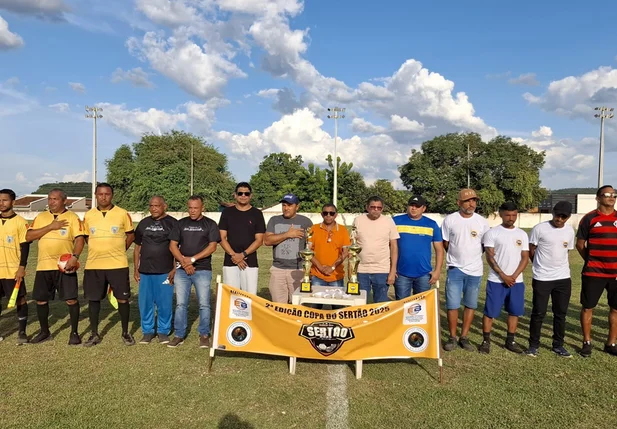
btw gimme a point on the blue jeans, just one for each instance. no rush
(153, 293)
(316, 281)
(201, 280)
(461, 287)
(403, 285)
(378, 282)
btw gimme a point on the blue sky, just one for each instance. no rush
(256, 76)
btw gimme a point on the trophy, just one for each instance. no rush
(353, 288)
(307, 255)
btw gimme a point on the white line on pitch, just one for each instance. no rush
(338, 405)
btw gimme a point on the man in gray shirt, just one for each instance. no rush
(287, 234)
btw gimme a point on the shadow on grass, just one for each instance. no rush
(232, 421)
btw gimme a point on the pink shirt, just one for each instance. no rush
(374, 237)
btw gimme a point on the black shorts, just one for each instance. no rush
(46, 283)
(96, 283)
(592, 289)
(7, 286)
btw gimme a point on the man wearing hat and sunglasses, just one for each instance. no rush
(417, 234)
(549, 245)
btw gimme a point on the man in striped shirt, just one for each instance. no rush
(597, 244)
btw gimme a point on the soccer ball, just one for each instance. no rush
(62, 260)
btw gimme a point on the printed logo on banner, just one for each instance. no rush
(240, 308)
(239, 334)
(414, 313)
(415, 340)
(326, 337)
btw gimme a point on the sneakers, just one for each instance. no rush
(533, 352)
(22, 338)
(450, 344)
(74, 339)
(586, 349)
(514, 347)
(1, 338)
(163, 339)
(204, 341)
(562, 352)
(146, 339)
(93, 340)
(128, 339)
(465, 344)
(177, 341)
(41, 337)
(611, 349)
(485, 347)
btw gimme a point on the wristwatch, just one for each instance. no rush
(333, 267)
(193, 260)
(244, 253)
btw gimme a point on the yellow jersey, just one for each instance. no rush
(55, 243)
(12, 235)
(106, 232)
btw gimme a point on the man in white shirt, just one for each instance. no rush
(507, 254)
(548, 250)
(462, 233)
(377, 235)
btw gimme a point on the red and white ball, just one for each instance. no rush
(62, 260)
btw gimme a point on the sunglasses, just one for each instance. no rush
(378, 208)
(561, 216)
(326, 213)
(608, 195)
(243, 194)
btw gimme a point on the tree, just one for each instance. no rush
(276, 175)
(72, 189)
(312, 188)
(160, 165)
(395, 200)
(351, 187)
(500, 170)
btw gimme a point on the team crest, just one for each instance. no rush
(63, 232)
(9, 239)
(519, 243)
(114, 229)
(92, 230)
(565, 244)
(326, 337)
(474, 234)
(615, 223)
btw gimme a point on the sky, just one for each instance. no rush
(257, 76)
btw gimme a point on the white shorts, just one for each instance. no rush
(245, 279)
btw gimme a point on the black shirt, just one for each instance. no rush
(153, 237)
(241, 227)
(193, 236)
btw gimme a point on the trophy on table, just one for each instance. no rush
(307, 255)
(353, 288)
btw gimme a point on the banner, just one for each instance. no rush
(399, 329)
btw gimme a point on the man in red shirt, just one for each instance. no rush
(596, 241)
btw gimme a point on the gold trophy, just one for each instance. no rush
(353, 288)
(307, 255)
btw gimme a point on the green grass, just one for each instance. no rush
(112, 386)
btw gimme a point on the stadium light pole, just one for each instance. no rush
(336, 114)
(604, 113)
(192, 168)
(93, 113)
(468, 161)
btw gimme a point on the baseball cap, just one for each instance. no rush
(467, 194)
(417, 200)
(563, 208)
(290, 199)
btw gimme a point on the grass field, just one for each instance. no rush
(109, 386)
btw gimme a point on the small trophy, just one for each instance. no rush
(353, 288)
(307, 255)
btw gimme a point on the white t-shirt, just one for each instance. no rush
(464, 236)
(508, 245)
(550, 261)
(374, 237)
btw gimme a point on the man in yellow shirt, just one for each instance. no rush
(109, 233)
(59, 232)
(14, 249)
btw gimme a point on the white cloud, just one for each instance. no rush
(12, 81)
(194, 68)
(45, 9)
(268, 93)
(84, 176)
(399, 123)
(525, 79)
(262, 7)
(60, 107)
(166, 12)
(136, 76)
(78, 87)
(8, 40)
(20, 177)
(13, 102)
(360, 125)
(137, 122)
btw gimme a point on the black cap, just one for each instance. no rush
(417, 200)
(563, 208)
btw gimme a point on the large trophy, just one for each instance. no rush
(353, 288)
(307, 255)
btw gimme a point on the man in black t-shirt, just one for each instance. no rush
(242, 229)
(193, 241)
(154, 270)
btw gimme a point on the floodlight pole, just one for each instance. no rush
(336, 116)
(93, 113)
(605, 113)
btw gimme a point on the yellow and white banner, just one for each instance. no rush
(408, 328)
